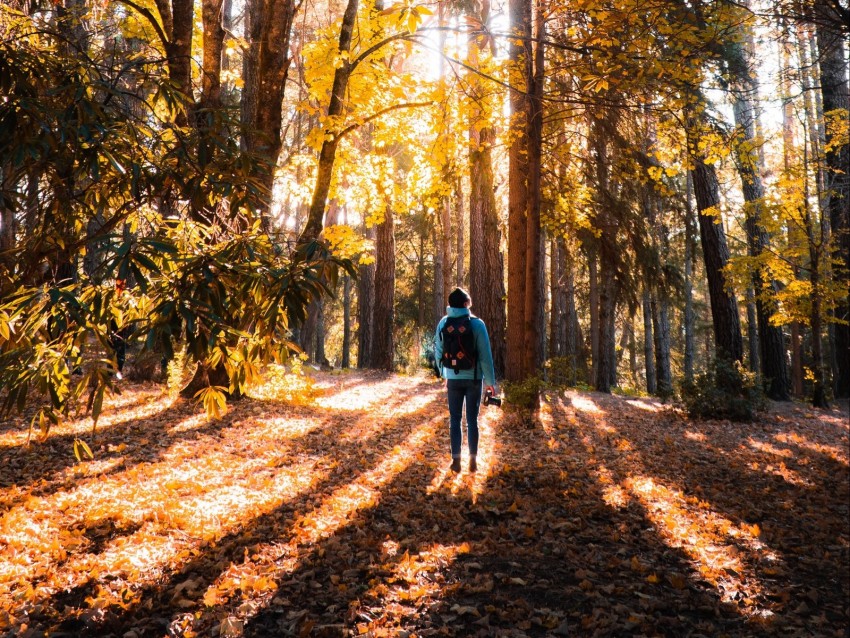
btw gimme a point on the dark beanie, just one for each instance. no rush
(458, 298)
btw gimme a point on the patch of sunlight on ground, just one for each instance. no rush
(190, 423)
(360, 396)
(202, 497)
(487, 460)
(336, 511)
(584, 404)
(644, 405)
(151, 405)
(762, 446)
(613, 494)
(695, 436)
(712, 541)
(373, 423)
(838, 455)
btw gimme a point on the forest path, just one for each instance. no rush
(609, 517)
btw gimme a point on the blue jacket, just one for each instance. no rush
(484, 367)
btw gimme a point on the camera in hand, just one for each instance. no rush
(489, 399)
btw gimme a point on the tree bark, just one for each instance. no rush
(177, 21)
(593, 302)
(486, 277)
(788, 149)
(8, 225)
(211, 15)
(558, 295)
(446, 248)
(689, 318)
(607, 225)
(383, 342)
(534, 265)
(661, 331)
(366, 309)
(752, 331)
(724, 307)
(520, 54)
(648, 344)
(572, 349)
(346, 323)
(266, 67)
(607, 306)
(836, 100)
(438, 297)
(460, 240)
(768, 355)
(819, 399)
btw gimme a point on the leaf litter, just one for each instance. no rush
(338, 516)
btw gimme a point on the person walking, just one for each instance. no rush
(462, 351)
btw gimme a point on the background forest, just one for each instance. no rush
(646, 195)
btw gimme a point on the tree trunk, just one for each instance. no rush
(593, 281)
(768, 355)
(661, 331)
(520, 54)
(607, 224)
(438, 297)
(486, 278)
(689, 318)
(8, 225)
(787, 151)
(366, 310)
(320, 357)
(535, 248)
(836, 100)
(420, 282)
(460, 240)
(724, 307)
(607, 306)
(573, 340)
(383, 343)
(648, 344)
(558, 294)
(307, 331)
(176, 17)
(446, 222)
(211, 15)
(346, 323)
(819, 389)
(752, 331)
(336, 106)
(266, 67)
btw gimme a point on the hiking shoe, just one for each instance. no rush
(456, 465)
(473, 464)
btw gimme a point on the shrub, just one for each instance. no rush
(523, 394)
(725, 391)
(564, 372)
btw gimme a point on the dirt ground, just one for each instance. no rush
(339, 516)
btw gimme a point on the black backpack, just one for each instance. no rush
(458, 344)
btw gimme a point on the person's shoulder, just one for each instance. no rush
(477, 321)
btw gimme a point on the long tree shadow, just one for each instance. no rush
(43, 468)
(328, 444)
(542, 542)
(538, 550)
(789, 534)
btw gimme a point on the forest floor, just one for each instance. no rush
(339, 516)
